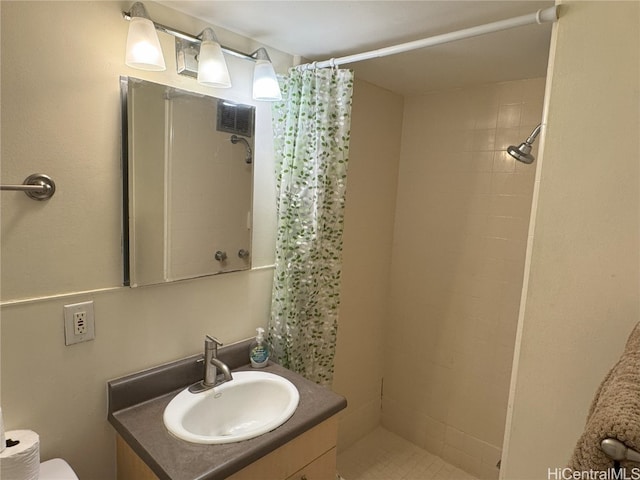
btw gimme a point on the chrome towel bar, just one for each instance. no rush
(37, 186)
(618, 451)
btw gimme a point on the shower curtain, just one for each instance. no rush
(311, 138)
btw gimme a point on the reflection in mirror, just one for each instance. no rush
(188, 179)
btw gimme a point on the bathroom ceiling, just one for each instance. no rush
(320, 30)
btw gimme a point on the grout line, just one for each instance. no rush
(383, 454)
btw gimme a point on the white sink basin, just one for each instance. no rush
(251, 404)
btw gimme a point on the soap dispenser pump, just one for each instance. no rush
(259, 350)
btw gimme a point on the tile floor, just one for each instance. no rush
(383, 455)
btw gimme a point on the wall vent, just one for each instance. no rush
(235, 118)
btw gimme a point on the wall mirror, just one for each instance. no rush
(188, 182)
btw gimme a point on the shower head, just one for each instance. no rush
(522, 152)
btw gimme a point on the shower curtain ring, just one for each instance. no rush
(538, 17)
(332, 63)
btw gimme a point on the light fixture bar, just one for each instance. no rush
(192, 38)
(198, 56)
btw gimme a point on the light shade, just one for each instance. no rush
(212, 68)
(143, 47)
(265, 82)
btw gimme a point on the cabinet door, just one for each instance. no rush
(322, 468)
(129, 465)
(294, 456)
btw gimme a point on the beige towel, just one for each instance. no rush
(614, 413)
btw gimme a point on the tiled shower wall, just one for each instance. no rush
(460, 236)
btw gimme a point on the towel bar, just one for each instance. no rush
(37, 186)
(616, 450)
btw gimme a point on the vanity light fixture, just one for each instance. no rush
(202, 57)
(212, 68)
(143, 47)
(265, 82)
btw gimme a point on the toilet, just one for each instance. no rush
(56, 469)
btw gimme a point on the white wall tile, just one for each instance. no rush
(459, 242)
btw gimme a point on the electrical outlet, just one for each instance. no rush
(79, 323)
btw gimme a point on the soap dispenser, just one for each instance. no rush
(259, 350)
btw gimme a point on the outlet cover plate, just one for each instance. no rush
(70, 310)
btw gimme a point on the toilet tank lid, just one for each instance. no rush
(56, 469)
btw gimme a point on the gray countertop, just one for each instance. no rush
(137, 403)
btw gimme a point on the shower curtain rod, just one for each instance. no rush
(548, 15)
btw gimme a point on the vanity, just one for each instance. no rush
(304, 447)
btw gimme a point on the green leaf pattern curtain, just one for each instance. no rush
(311, 136)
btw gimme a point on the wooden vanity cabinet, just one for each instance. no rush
(309, 456)
(322, 468)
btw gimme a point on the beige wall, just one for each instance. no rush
(583, 274)
(376, 127)
(458, 256)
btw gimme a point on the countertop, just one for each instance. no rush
(137, 403)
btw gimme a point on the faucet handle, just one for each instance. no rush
(213, 339)
(212, 343)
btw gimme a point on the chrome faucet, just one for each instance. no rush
(211, 366)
